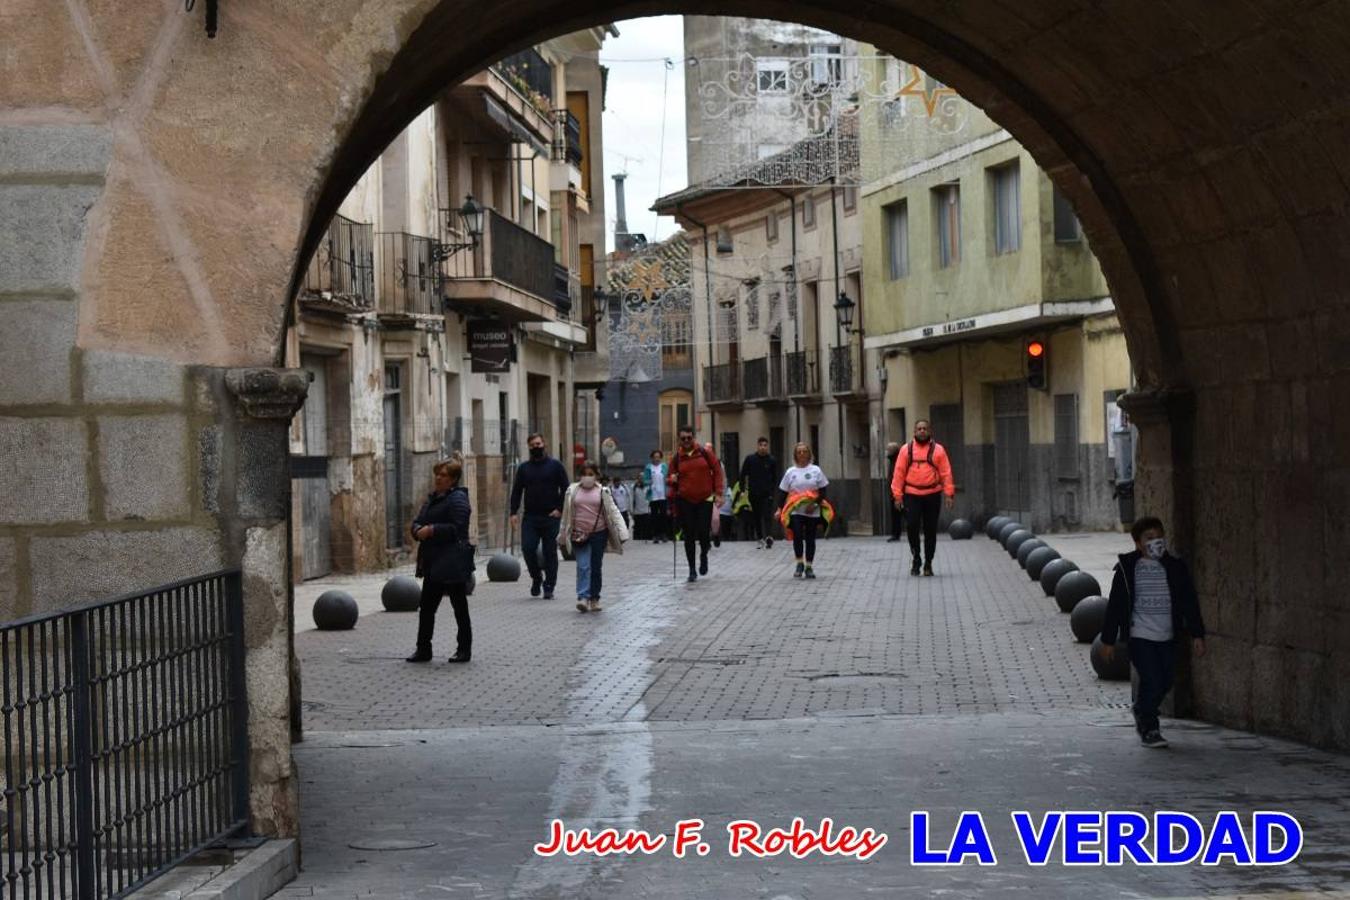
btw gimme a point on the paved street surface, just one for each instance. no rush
(861, 696)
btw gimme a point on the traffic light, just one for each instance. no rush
(1036, 376)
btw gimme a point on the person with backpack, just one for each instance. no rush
(695, 478)
(921, 484)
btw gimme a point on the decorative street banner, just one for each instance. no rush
(650, 308)
(490, 346)
(781, 121)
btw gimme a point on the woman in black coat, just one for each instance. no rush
(442, 531)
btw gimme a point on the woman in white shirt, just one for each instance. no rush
(803, 521)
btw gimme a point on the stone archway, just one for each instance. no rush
(159, 190)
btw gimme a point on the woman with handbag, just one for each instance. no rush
(591, 524)
(444, 560)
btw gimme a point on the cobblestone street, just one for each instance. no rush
(861, 696)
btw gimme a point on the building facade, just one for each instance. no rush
(990, 313)
(451, 309)
(775, 357)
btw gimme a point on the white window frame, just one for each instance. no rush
(776, 69)
(947, 198)
(897, 262)
(1005, 186)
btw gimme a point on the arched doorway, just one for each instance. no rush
(167, 190)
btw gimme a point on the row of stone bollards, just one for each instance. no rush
(1076, 593)
(336, 610)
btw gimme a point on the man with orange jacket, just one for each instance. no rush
(695, 478)
(922, 480)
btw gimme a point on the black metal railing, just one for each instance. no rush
(519, 257)
(566, 137)
(802, 373)
(344, 264)
(846, 371)
(125, 738)
(562, 288)
(763, 379)
(722, 383)
(410, 274)
(528, 72)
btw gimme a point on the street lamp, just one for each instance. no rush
(843, 308)
(471, 214)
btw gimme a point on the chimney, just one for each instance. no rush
(621, 217)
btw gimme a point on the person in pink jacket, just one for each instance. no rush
(921, 482)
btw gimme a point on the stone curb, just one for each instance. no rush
(259, 874)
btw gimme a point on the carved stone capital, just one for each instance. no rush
(268, 393)
(1158, 406)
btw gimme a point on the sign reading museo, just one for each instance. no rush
(490, 346)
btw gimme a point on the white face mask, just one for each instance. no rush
(588, 481)
(1156, 547)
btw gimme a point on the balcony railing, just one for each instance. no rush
(566, 137)
(529, 73)
(566, 289)
(513, 255)
(803, 374)
(343, 268)
(846, 371)
(722, 383)
(763, 380)
(410, 275)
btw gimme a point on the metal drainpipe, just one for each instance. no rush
(707, 300)
(838, 328)
(792, 286)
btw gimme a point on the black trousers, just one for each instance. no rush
(921, 512)
(696, 523)
(660, 520)
(1156, 662)
(804, 537)
(432, 591)
(763, 516)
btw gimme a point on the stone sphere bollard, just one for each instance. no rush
(335, 611)
(1037, 559)
(1053, 571)
(1086, 619)
(961, 530)
(503, 567)
(1118, 669)
(1027, 548)
(1016, 540)
(993, 526)
(401, 594)
(1007, 530)
(1074, 586)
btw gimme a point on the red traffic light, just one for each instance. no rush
(1035, 349)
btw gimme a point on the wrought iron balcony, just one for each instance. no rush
(803, 375)
(722, 384)
(342, 271)
(528, 72)
(566, 137)
(763, 380)
(846, 372)
(512, 271)
(411, 276)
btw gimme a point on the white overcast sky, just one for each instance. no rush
(634, 113)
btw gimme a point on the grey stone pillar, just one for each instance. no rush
(253, 499)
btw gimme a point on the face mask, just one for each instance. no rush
(536, 453)
(588, 481)
(1156, 548)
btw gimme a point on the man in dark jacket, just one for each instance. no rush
(542, 482)
(1152, 601)
(759, 479)
(441, 529)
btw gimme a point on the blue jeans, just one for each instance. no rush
(590, 556)
(533, 530)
